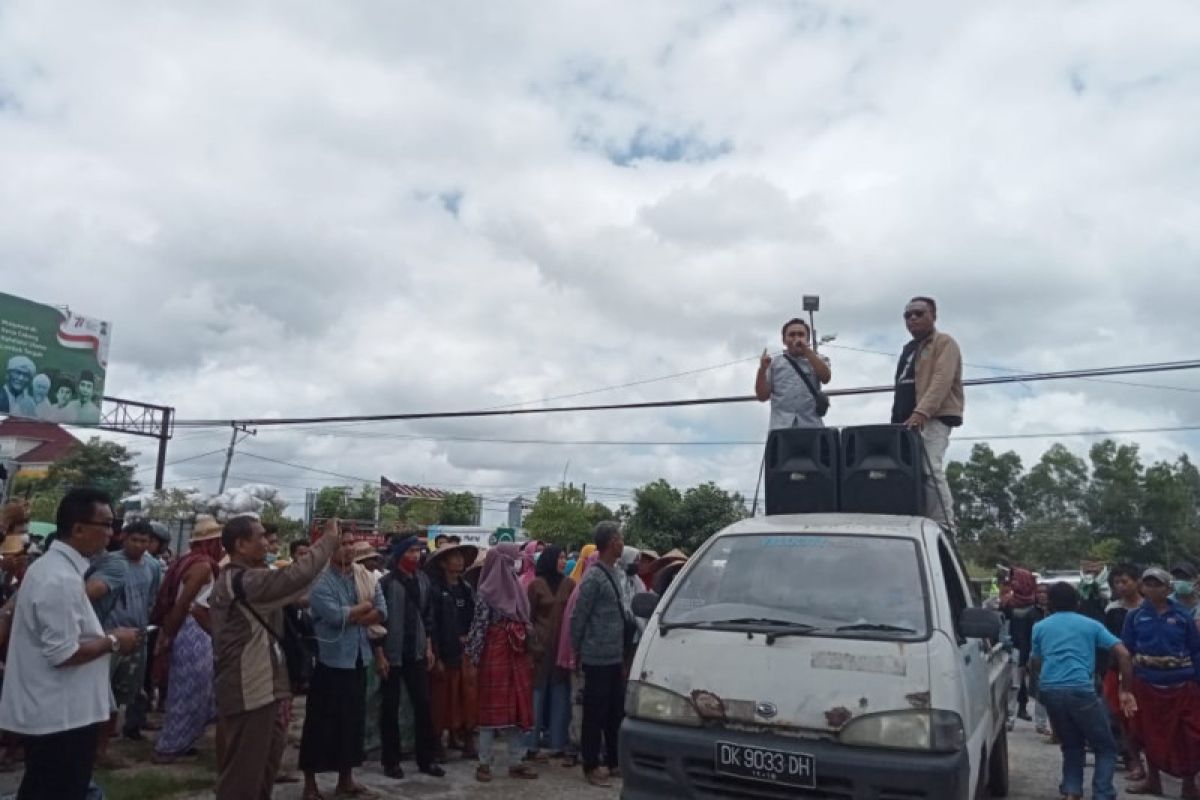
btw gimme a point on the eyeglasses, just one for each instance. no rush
(913, 314)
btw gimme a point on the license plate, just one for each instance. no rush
(765, 764)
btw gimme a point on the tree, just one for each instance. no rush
(420, 513)
(706, 509)
(655, 518)
(103, 465)
(1114, 497)
(984, 491)
(458, 508)
(389, 518)
(331, 502)
(169, 504)
(1169, 519)
(289, 529)
(365, 504)
(560, 516)
(598, 512)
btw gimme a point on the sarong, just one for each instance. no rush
(505, 679)
(332, 740)
(455, 698)
(374, 701)
(1167, 724)
(191, 705)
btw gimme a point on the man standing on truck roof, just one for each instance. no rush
(929, 398)
(792, 379)
(1064, 653)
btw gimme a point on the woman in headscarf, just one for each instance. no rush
(529, 555)
(548, 597)
(498, 645)
(576, 573)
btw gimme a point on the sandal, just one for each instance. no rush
(1143, 787)
(523, 771)
(483, 773)
(570, 760)
(357, 790)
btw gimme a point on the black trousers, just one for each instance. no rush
(413, 676)
(603, 710)
(58, 766)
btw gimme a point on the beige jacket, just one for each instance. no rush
(939, 377)
(250, 668)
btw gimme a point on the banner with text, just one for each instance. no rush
(54, 362)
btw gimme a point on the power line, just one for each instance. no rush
(185, 460)
(1170, 366)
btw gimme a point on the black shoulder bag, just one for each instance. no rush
(296, 652)
(819, 396)
(631, 627)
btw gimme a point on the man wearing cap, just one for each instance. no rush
(56, 687)
(405, 656)
(1165, 643)
(15, 398)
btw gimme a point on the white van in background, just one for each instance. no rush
(818, 656)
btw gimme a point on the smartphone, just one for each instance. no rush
(149, 629)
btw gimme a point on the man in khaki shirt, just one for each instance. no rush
(251, 673)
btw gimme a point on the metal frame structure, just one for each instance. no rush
(141, 419)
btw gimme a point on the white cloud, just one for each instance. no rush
(378, 208)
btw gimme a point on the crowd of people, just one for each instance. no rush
(1112, 666)
(418, 650)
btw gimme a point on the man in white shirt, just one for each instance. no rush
(56, 690)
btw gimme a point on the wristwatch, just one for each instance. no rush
(114, 643)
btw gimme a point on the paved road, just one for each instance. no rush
(1034, 768)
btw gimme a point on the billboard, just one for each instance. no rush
(54, 362)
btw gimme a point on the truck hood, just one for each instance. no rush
(812, 684)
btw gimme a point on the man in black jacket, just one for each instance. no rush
(405, 656)
(455, 698)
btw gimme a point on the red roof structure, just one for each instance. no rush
(49, 441)
(399, 491)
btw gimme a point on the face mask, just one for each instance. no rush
(1183, 588)
(271, 557)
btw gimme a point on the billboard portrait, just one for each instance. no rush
(54, 362)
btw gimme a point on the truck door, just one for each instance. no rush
(972, 653)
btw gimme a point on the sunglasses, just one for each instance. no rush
(913, 314)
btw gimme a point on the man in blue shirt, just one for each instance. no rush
(335, 716)
(122, 586)
(1165, 643)
(1064, 658)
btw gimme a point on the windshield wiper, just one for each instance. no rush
(778, 627)
(874, 626)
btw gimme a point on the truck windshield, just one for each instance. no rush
(861, 586)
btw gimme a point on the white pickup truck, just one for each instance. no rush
(818, 656)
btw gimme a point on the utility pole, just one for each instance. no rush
(229, 453)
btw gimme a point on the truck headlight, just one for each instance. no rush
(940, 731)
(654, 703)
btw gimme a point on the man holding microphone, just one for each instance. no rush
(791, 380)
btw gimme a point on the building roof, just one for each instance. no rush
(55, 441)
(406, 492)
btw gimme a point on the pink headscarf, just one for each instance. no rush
(529, 556)
(499, 588)
(567, 657)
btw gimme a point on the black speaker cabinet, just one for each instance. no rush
(882, 470)
(802, 471)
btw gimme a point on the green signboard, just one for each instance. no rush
(54, 362)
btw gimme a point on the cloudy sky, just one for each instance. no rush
(376, 207)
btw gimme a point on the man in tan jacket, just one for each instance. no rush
(929, 398)
(251, 674)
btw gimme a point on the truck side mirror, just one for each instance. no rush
(979, 623)
(643, 604)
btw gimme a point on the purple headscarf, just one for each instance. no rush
(528, 563)
(499, 587)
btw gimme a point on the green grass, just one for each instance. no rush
(148, 784)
